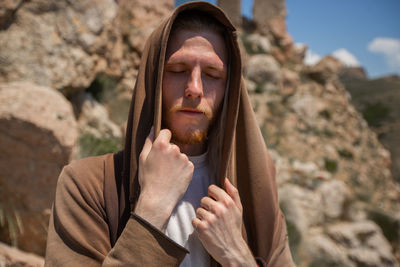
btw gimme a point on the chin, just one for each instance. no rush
(189, 136)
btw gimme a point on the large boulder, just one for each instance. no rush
(346, 244)
(58, 44)
(37, 133)
(364, 242)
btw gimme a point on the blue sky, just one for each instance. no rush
(360, 31)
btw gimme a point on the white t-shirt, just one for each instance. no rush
(179, 226)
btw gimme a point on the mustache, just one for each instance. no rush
(196, 108)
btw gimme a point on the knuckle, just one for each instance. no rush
(228, 202)
(184, 157)
(160, 144)
(203, 201)
(175, 149)
(191, 166)
(218, 211)
(212, 220)
(211, 188)
(204, 226)
(235, 190)
(198, 211)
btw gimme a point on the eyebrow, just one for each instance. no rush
(210, 66)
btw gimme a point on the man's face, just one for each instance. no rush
(193, 83)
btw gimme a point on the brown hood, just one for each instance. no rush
(244, 158)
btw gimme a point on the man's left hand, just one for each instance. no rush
(219, 226)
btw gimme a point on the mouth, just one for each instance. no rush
(191, 111)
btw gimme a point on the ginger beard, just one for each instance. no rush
(191, 130)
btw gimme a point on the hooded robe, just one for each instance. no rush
(92, 223)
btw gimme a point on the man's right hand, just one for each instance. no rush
(164, 175)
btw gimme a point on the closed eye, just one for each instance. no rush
(213, 76)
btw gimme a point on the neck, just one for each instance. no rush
(192, 149)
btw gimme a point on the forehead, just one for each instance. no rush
(201, 39)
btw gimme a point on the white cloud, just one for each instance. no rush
(346, 57)
(390, 48)
(311, 58)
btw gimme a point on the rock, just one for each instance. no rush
(266, 10)
(14, 257)
(320, 250)
(299, 53)
(325, 70)
(37, 133)
(262, 69)
(94, 119)
(137, 19)
(133, 24)
(250, 86)
(256, 44)
(353, 73)
(290, 81)
(307, 106)
(7, 11)
(57, 44)
(388, 221)
(302, 207)
(334, 196)
(365, 242)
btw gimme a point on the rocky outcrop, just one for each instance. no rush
(352, 73)
(335, 186)
(37, 133)
(326, 70)
(264, 70)
(58, 44)
(331, 168)
(12, 257)
(377, 99)
(348, 244)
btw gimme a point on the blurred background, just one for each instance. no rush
(323, 78)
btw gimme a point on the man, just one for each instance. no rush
(201, 191)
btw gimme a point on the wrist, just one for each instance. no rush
(243, 257)
(153, 211)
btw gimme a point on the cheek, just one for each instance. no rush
(216, 96)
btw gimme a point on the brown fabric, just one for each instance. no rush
(91, 221)
(79, 229)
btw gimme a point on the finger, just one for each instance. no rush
(203, 214)
(217, 193)
(198, 225)
(164, 136)
(233, 193)
(147, 145)
(207, 203)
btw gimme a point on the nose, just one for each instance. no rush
(194, 88)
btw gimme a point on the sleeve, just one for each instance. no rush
(281, 256)
(78, 232)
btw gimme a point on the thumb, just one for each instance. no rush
(147, 145)
(233, 193)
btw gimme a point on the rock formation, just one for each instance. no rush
(332, 172)
(335, 184)
(55, 43)
(378, 100)
(37, 133)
